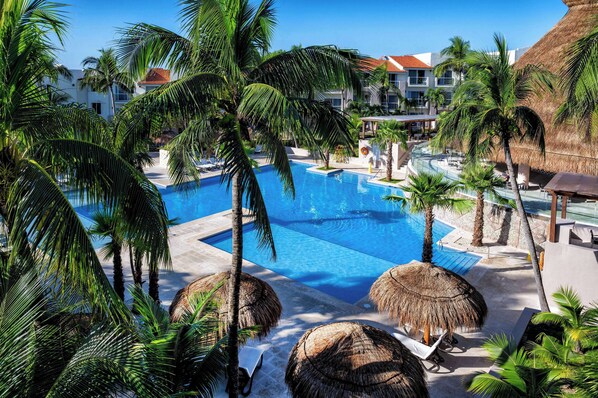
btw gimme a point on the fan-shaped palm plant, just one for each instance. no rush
(518, 376)
(102, 74)
(436, 97)
(230, 89)
(389, 132)
(456, 58)
(481, 179)
(425, 192)
(579, 81)
(379, 79)
(41, 140)
(488, 111)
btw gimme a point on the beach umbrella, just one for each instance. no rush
(349, 359)
(259, 304)
(427, 297)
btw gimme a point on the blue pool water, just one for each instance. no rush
(337, 236)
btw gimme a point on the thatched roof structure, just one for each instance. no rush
(566, 147)
(259, 304)
(424, 295)
(348, 359)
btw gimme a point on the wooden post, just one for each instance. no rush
(363, 128)
(564, 207)
(427, 335)
(552, 232)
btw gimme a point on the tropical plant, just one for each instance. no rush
(102, 74)
(231, 88)
(424, 193)
(436, 97)
(578, 322)
(579, 81)
(41, 140)
(389, 132)
(488, 110)
(109, 227)
(519, 375)
(379, 79)
(481, 179)
(456, 54)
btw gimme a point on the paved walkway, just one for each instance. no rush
(504, 278)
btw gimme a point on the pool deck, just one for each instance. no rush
(503, 276)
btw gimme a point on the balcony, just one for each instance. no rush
(445, 82)
(418, 81)
(122, 97)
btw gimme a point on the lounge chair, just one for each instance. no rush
(203, 165)
(250, 359)
(420, 350)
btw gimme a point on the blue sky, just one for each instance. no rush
(374, 27)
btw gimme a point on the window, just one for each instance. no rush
(446, 79)
(393, 79)
(336, 103)
(393, 102)
(120, 94)
(416, 97)
(417, 77)
(97, 106)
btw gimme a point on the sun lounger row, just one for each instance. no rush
(205, 165)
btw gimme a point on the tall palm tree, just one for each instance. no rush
(456, 58)
(579, 81)
(424, 193)
(109, 226)
(231, 88)
(436, 97)
(519, 374)
(488, 111)
(379, 78)
(481, 179)
(40, 140)
(389, 132)
(102, 74)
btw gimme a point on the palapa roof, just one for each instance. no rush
(423, 294)
(349, 359)
(259, 304)
(575, 185)
(566, 148)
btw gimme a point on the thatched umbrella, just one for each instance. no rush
(348, 359)
(259, 304)
(426, 296)
(567, 149)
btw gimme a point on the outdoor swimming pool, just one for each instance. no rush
(337, 236)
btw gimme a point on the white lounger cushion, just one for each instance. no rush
(582, 233)
(418, 349)
(249, 359)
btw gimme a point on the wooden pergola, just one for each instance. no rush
(569, 185)
(407, 119)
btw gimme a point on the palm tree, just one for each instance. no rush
(579, 81)
(424, 193)
(519, 374)
(379, 79)
(102, 74)
(109, 226)
(577, 321)
(488, 110)
(481, 179)
(436, 97)
(457, 54)
(389, 132)
(232, 89)
(41, 140)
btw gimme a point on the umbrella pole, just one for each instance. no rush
(427, 335)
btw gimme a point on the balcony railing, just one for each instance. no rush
(418, 81)
(418, 102)
(445, 81)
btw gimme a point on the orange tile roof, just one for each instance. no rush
(409, 61)
(373, 63)
(156, 76)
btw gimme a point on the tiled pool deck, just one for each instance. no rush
(503, 276)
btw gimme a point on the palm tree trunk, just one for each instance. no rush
(112, 104)
(389, 162)
(327, 159)
(527, 231)
(234, 285)
(428, 240)
(478, 226)
(119, 279)
(154, 288)
(138, 267)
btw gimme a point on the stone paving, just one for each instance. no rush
(503, 276)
